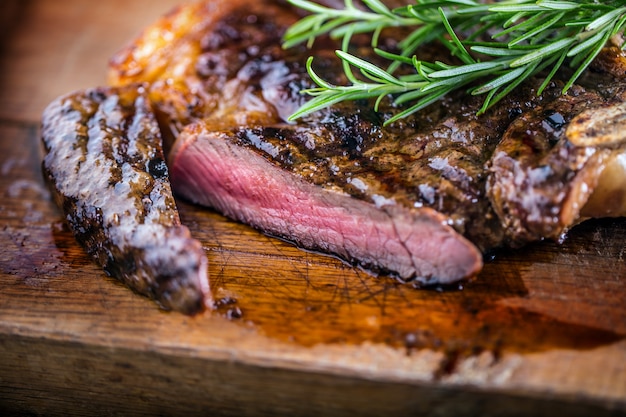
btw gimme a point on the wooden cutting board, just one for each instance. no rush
(542, 331)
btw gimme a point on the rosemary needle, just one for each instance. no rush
(526, 37)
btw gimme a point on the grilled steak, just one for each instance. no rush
(406, 198)
(104, 163)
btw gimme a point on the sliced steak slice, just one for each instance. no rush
(245, 186)
(105, 165)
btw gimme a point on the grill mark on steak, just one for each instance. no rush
(105, 165)
(210, 82)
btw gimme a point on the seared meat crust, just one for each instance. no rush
(104, 163)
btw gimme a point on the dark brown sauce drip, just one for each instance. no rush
(308, 299)
(462, 323)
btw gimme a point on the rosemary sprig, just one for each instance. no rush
(525, 38)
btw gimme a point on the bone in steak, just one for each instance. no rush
(104, 163)
(406, 198)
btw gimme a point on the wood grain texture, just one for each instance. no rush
(540, 332)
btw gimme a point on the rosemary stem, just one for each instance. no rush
(529, 36)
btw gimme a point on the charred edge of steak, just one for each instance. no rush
(550, 163)
(105, 166)
(211, 169)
